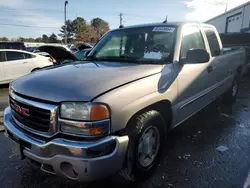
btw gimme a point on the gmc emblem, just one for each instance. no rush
(22, 111)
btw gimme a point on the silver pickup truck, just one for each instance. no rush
(111, 113)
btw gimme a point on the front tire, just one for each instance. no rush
(146, 137)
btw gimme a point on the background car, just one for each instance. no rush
(56, 45)
(45, 54)
(58, 53)
(72, 47)
(81, 54)
(31, 49)
(84, 45)
(16, 63)
(12, 45)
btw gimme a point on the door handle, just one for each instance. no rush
(210, 69)
(25, 62)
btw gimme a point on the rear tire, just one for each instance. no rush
(146, 137)
(231, 95)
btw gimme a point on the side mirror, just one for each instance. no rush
(197, 56)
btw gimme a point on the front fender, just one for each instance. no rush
(127, 100)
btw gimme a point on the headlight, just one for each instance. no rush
(11, 90)
(84, 119)
(84, 111)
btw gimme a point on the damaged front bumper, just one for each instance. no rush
(77, 160)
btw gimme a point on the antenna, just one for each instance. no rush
(166, 19)
(121, 20)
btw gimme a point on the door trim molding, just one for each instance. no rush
(205, 92)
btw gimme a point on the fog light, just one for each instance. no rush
(101, 150)
(96, 131)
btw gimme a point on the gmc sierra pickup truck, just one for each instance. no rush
(111, 113)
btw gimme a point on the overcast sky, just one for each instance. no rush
(32, 18)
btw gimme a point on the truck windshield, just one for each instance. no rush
(143, 44)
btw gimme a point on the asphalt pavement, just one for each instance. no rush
(3, 102)
(209, 150)
(3, 96)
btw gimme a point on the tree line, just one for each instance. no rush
(78, 30)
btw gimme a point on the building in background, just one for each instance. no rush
(33, 44)
(233, 21)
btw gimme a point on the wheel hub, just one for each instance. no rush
(148, 147)
(235, 88)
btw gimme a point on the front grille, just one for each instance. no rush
(30, 116)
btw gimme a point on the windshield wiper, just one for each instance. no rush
(127, 59)
(119, 58)
(143, 60)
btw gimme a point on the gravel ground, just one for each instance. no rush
(190, 157)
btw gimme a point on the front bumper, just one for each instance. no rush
(76, 160)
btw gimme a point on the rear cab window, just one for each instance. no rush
(212, 41)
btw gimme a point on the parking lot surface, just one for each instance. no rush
(209, 150)
(3, 96)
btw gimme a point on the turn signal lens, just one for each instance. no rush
(98, 112)
(96, 131)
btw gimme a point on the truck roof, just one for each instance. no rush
(175, 24)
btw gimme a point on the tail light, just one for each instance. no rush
(51, 60)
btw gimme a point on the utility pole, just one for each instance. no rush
(120, 18)
(226, 7)
(65, 20)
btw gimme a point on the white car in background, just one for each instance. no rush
(17, 63)
(45, 54)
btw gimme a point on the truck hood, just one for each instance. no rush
(80, 81)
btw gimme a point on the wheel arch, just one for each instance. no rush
(164, 107)
(239, 69)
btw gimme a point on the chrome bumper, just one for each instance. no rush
(76, 160)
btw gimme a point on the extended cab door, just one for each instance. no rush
(2, 60)
(17, 64)
(220, 64)
(193, 78)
